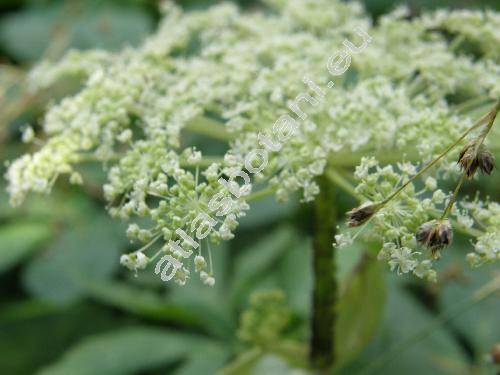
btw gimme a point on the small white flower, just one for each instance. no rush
(430, 183)
(386, 251)
(407, 168)
(125, 136)
(134, 261)
(438, 196)
(199, 263)
(342, 240)
(402, 260)
(464, 220)
(28, 135)
(181, 276)
(207, 279)
(76, 178)
(424, 271)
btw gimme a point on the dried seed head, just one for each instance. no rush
(495, 353)
(435, 235)
(471, 159)
(361, 214)
(486, 162)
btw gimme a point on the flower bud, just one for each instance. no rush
(361, 214)
(135, 261)
(199, 263)
(471, 159)
(435, 235)
(207, 279)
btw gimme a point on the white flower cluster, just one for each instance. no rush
(230, 74)
(396, 223)
(487, 245)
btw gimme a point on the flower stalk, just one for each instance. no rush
(325, 290)
(488, 118)
(477, 146)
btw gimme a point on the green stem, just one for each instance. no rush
(260, 194)
(472, 104)
(205, 161)
(491, 120)
(453, 197)
(209, 128)
(325, 287)
(345, 185)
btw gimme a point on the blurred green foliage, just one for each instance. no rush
(66, 307)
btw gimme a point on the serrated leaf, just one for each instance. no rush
(400, 348)
(126, 351)
(139, 301)
(258, 260)
(89, 251)
(265, 211)
(360, 309)
(295, 277)
(209, 303)
(274, 365)
(27, 34)
(38, 335)
(207, 359)
(479, 325)
(244, 363)
(147, 304)
(19, 240)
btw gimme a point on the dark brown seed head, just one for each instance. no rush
(435, 235)
(486, 162)
(361, 214)
(495, 353)
(472, 157)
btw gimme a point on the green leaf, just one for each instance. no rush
(244, 363)
(206, 359)
(26, 34)
(434, 353)
(36, 336)
(347, 257)
(140, 301)
(89, 251)
(126, 351)
(210, 304)
(256, 262)
(295, 277)
(479, 325)
(59, 206)
(360, 308)
(26, 309)
(19, 240)
(274, 365)
(256, 362)
(265, 211)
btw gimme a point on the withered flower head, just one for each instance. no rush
(361, 214)
(435, 235)
(495, 353)
(470, 159)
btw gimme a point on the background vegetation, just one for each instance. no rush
(67, 307)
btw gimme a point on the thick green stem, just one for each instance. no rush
(325, 287)
(210, 128)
